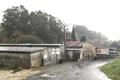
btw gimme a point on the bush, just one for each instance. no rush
(9, 40)
(28, 39)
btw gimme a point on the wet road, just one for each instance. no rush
(89, 70)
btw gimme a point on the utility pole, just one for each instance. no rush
(64, 43)
(64, 36)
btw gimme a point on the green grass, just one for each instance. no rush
(112, 69)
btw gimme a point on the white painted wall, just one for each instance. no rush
(36, 59)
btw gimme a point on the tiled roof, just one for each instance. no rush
(72, 43)
(31, 45)
(98, 45)
(21, 49)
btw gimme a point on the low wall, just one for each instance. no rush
(105, 56)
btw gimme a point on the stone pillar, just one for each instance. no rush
(81, 55)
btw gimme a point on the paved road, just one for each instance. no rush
(72, 71)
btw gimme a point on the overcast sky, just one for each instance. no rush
(98, 15)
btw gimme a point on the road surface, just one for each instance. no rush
(89, 70)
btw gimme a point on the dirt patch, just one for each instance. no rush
(20, 75)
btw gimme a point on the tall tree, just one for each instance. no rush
(73, 34)
(83, 39)
(39, 22)
(46, 27)
(16, 19)
(18, 22)
(92, 36)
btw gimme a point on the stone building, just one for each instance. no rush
(100, 49)
(52, 55)
(88, 50)
(79, 50)
(21, 57)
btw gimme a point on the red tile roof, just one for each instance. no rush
(72, 43)
(98, 45)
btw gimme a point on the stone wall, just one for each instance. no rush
(88, 51)
(36, 59)
(15, 60)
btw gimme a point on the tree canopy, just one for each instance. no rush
(82, 33)
(83, 39)
(73, 35)
(18, 21)
(39, 27)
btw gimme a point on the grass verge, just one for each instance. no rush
(112, 69)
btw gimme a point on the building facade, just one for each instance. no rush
(76, 50)
(52, 55)
(20, 57)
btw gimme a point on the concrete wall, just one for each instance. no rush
(14, 60)
(52, 56)
(47, 56)
(36, 59)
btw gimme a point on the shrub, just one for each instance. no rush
(28, 39)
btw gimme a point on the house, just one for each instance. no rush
(100, 49)
(55, 53)
(24, 57)
(88, 50)
(79, 50)
(73, 50)
(52, 55)
(102, 52)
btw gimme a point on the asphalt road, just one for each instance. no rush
(88, 70)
